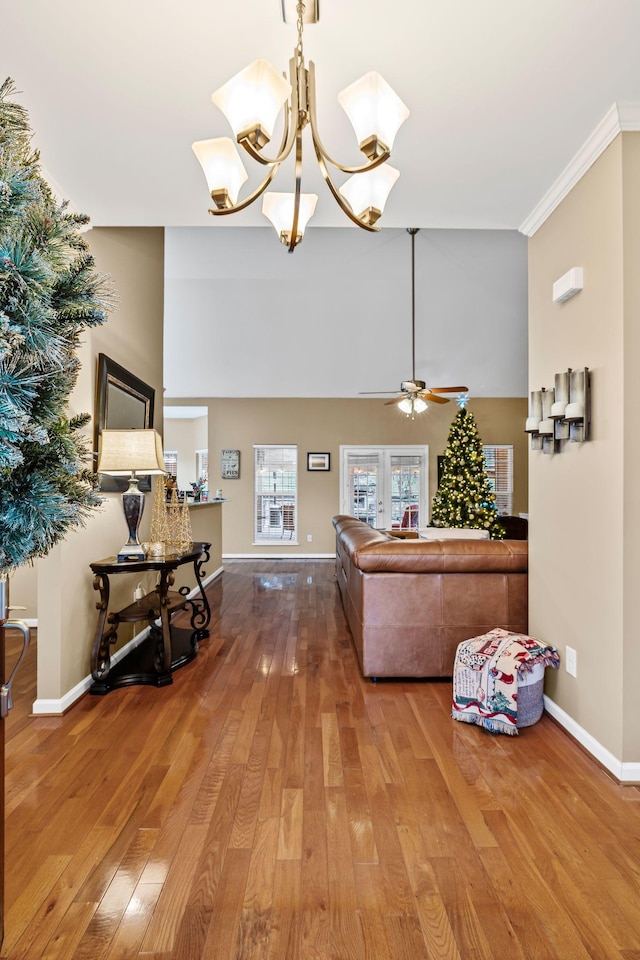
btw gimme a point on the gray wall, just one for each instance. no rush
(245, 318)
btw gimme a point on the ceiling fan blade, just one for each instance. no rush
(433, 397)
(376, 393)
(395, 400)
(448, 389)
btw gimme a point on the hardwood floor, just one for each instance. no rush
(273, 805)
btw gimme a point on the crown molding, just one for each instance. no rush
(622, 116)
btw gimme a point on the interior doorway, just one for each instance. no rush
(386, 486)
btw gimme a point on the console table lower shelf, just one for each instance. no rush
(166, 647)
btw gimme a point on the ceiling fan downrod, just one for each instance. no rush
(412, 232)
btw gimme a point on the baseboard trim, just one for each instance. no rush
(278, 556)
(627, 773)
(49, 708)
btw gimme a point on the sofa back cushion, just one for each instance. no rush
(452, 533)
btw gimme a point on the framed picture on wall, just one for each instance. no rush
(318, 461)
(230, 464)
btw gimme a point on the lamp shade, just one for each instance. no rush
(369, 190)
(252, 99)
(222, 165)
(278, 208)
(373, 108)
(126, 452)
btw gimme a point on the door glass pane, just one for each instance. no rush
(405, 491)
(363, 487)
(387, 487)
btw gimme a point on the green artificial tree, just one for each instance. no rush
(465, 497)
(49, 293)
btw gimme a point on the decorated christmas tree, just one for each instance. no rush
(49, 293)
(465, 497)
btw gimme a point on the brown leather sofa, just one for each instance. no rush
(409, 603)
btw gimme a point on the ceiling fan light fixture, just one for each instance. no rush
(412, 394)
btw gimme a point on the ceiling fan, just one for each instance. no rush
(413, 394)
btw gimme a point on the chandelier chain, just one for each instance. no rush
(300, 11)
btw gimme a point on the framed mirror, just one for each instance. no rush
(123, 402)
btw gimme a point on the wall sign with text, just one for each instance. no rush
(230, 464)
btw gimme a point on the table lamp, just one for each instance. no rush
(127, 453)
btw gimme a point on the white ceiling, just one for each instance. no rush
(502, 95)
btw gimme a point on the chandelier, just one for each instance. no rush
(252, 100)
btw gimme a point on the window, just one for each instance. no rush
(171, 462)
(276, 493)
(499, 461)
(202, 465)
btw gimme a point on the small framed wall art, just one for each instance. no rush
(318, 461)
(230, 464)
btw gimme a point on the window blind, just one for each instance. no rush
(499, 462)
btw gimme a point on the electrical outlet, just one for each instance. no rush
(309, 538)
(570, 663)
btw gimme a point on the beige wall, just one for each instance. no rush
(631, 501)
(584, 567)
(323, 425)
(134, 259)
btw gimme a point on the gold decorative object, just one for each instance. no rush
(159, 528)
(252, 101)
(186, 533)
(179, 533)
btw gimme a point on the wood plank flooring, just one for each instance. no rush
(273, 805)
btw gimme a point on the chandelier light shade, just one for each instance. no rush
(222, 167)
(367, 192)
(279, 209)
(127, 453)
(376, 113)
(252, 101)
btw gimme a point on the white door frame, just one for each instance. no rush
(386, 451)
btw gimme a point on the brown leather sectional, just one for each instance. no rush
(409, 603)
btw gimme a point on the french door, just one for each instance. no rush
(387, 487)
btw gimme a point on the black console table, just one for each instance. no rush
(167, 647)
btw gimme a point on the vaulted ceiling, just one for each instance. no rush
(502, 95)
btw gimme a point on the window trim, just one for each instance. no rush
(280, 540)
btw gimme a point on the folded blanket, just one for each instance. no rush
(486, 674)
